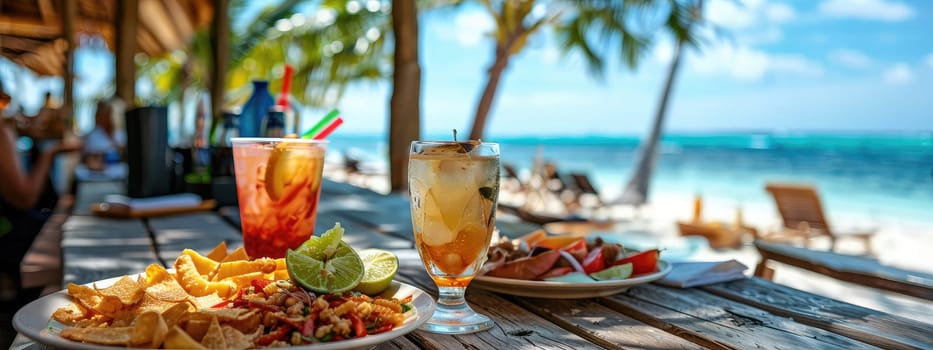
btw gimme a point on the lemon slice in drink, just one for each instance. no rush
(325, 264)
(282, 166)
(379, 268)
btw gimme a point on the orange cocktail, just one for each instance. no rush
(278, 186)
(453, 188)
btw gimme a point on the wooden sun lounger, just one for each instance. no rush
(803, 216)
(855, 269)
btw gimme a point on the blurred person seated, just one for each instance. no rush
(104, 145)
(27, 199)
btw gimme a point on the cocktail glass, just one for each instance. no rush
(278, 185)
(453, 187)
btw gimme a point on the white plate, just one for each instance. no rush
(566, 290)
(33, 320)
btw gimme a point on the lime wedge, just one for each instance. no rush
(380, 267)
(325, 264)
(618, 272)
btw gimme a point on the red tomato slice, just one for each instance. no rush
(644, 262)
(594, 261)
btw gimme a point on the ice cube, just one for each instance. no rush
(473, 211)
(436, 232)
(423, 172)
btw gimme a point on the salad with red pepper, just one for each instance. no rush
(290, 315)
(537, 256)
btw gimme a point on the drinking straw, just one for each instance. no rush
(321, 125)
(286, 85)
(329, 129)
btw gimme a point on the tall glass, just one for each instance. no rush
(278, 184)
(453, 188)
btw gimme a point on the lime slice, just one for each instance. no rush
(325, 264)
(380, 267)
(618, 272)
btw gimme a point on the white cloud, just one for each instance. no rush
(780, 12)
(748, 13)
(745, 63)
(850, 58)
(751, 21)
(882, 10)
(471, 27)
(930, 60)
(897, 74)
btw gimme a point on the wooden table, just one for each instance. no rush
(750, 313)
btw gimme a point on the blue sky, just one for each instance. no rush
(827, 65)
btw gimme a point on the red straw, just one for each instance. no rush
(286, 85)
(329, 129)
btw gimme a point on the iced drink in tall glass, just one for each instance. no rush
(278, 186)
(453, 188)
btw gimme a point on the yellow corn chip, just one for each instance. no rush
(203, 264)
(148, 331)
(236, 255)
(99, 335)
(126, 290)
(178, 339)
(214, 338)
(219, 252)
(235, 339)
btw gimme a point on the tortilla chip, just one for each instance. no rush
(152, 304)
(149, 331)
(197, 328)
(236, 255)
(214, 338)
(175, 313)
(178, 339)
(71, 313)
(207, 301)
(219, 252)
(155, 273)
(168, 290)
(236, 339)
(248, 322)
(86, 296)
(126, 290)
(99, 335)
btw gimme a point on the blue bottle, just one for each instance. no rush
(255, 109)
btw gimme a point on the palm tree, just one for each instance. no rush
(636, 191)
(585, 26)
(405, 105)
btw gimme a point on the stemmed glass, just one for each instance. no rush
(454, 187)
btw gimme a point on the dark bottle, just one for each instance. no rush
(274, 124)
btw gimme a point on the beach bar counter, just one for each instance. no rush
(748, 313)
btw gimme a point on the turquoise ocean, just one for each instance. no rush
(872, 175)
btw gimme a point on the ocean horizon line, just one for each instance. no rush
(681, 133)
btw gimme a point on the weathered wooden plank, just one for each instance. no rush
(720, 323)
(96, 248)
(515, 327)
(401, 343)
(198, 231)
(602, 325)
(870, 326)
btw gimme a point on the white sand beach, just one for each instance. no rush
(899, 243)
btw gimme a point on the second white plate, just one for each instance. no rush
(567, 290)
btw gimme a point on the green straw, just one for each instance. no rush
(323, 123)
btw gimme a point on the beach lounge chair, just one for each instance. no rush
(803, 216)
(511, 177)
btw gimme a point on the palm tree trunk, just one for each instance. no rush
(636, 192)
(489, 94)
(405, 105)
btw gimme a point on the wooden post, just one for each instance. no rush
(220, 52)
(69, 10)
(126, 23)
(405, 106)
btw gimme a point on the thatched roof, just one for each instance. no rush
(31, 30)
